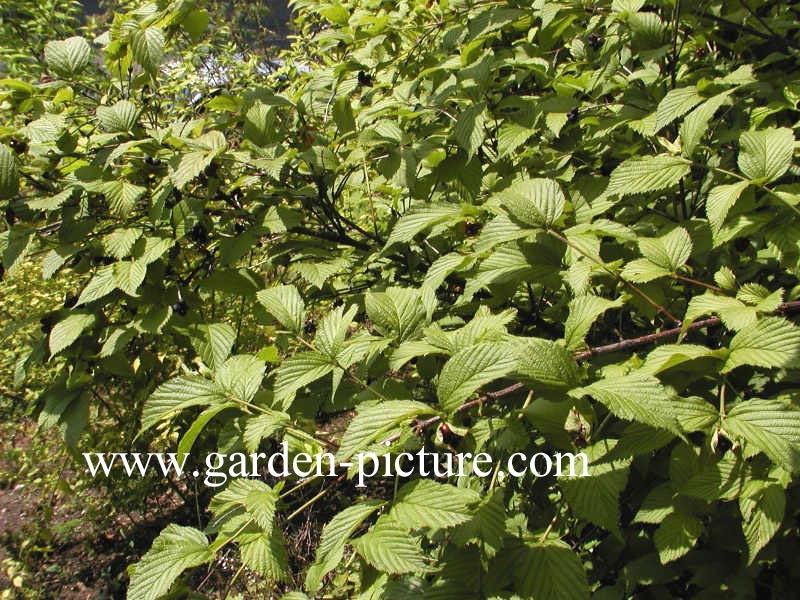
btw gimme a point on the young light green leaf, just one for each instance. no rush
(240, 376)
(695, 125)
(675, 104)
(129, 275)
(547, 363)
(420, 218)
(148, 48)
(767, 154)
(175, 549)
(720, 200)
(471, 368)
(101, 284)
(262, 426)
(266, 554)
(214, 342)
(297, 372)
(119, 118)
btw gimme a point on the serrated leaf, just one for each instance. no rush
(720, 200)
(67, 57)
(257, 498)
(335, 535)
(675, 104)
(550, 569)
(763, 506)
(175, 549)
(198, 425)
(646, 174)
(122, 196)
(297, 372)
(672, 355)
(426, 503)
(767, 154)
(66, 331)
(670, 251)
(9, 173)
(240, 376)
(266, 554)
(635, 397)
(148, 48)
(771, 426)
(189, 165)
(285, 304)
(695, 124)
(641, 270)
(119, 118)
(422, 217)
(486, 528)
(179, 393)
(470, 369)
(263, 426)
(547, 363)
(718, 480)
(375, 422)
(676, 535)
(734, 314)
(396, 313)
(100, 285)
(332, 331)
(596, 498)
(120, 243)
(770, 342)
(214, 343)
(657, 505)
(583, 312)
(469, 128)
(129, 275)
(538, 202)
(388, 547)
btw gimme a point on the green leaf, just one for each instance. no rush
(641, 270)
(672, 355)
(388, 547)
(67, 57)
(547, 363)
(695, 125)
(646, 174)
(676, 535)
(486, 529)
(721, 479)
(375, 422)
(120, 243)
(266, 554)
(596, 498)
(583, 312)
(214, 343)
(771, 426)
(770, 342)
(179, 393)
(720, 200)
(469, 129)
(148, 48)
(763, 506)
(670, 251)
(767, 154)
(129, 275)
(175, 549)
(66, 331)
(426, 503)
(198, 425)
(635, 397)
(262, 426)
(396, 313)
(285, 304)
(550, 569)
(196, 23)
(119, 118)
(657, 505)
(734, 314)
(100, 285)
(332, 331)
(470, 369)
(240, 376)
(9, 173)
(335, 535)
(537, 202)
(297, 372)
(420, 218)
(675, 104)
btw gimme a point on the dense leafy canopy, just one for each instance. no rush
(590, 207)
